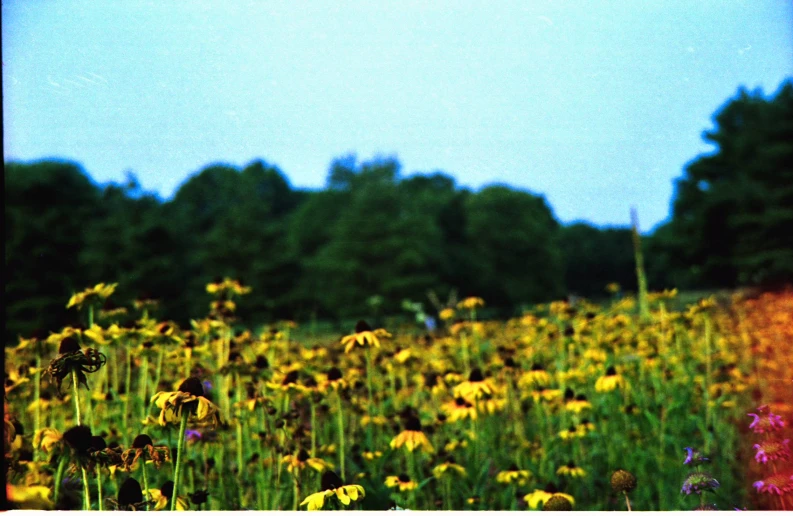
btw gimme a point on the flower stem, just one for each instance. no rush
(37, 395)
(179, 450)
(59, 475)
(99, 486)
(86, 490)
(145, 481)
(627, 501)
(76, 396)
(340, 419)
(127, 392)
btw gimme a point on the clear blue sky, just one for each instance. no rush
(596, 104)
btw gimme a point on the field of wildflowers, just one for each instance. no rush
(571, 406)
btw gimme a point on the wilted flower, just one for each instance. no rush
(190, 397)
(623, 481)
(558, 502)
(72, 359)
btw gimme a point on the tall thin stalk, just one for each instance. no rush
(86, 490)
(179, 459)
(644, 309)
(340, 420)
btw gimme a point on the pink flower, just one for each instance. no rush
(772, 450)
(764, 423)
(776, 484)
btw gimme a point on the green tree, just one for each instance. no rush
(513, 238)
(734, 207)
(48, 206)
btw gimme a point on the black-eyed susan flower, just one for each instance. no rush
(333, 485)
(303, 460)
(161, 498)
(364, 336)
(541, 496)
(573, 432)
(226, 287)
(475, 387)
(412, 437)
(471, 303)
(449, 466)
(374, 420)
(72, 360)
(97, 293)
(610, 381)
(446, 314)
(371, 455)
(576, 404)
(47, 439)
(513, 475)
(143, 448)
(546, 395)
(571, 470)
(537, 376)
(130, 497)
(459, 409)
(189, 397)
(403, 482)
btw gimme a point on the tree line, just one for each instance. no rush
(373, 237)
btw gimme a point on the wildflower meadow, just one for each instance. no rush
(570, 406)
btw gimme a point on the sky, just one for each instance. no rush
(598, 105)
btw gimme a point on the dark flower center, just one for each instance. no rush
(69, 345)
(290, 378)
(167, 489)
(334, 373)
(476, 376)
(404, 478)
(431, 379)
(141, 441)
(330, 480)
(303, 456)
(611, 371)
(78, 438)
(261, 362)
(569, 394)
(413, 424)
(192, 386)
(130, 493)
(361, 327)
(97, 443)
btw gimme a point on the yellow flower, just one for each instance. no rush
(571, 470)
(92, 294)
(303, 460)
(332, 485)
(29, 497)
(446, 314)
(546, 395)
(536, 497)
(363, 336)
(403, 482)
(371, 455)
(610, 381)
(448, 466)
(374, 420)
(190, 396)
(46, 439)
(475, 387)
(471, 303)
(161, 498)
(226, 286)
(513, 474)
(412, 437)
(536, 377)
(459, 409)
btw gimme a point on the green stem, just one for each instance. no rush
(86, 490)
(99, 486)
(240, 442)
(179, 458)
(59, 475)
(127, 391)
(37, 395)
(145, 480)
(313, 428)
(340, 419)
(76, 396)
(144, 387)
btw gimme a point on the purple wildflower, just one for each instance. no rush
(772, 450)
(777, 484)
(192, 435)
(698, 481)
(694, 457)
(764, 423)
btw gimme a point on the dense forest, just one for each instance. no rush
(373, 238)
